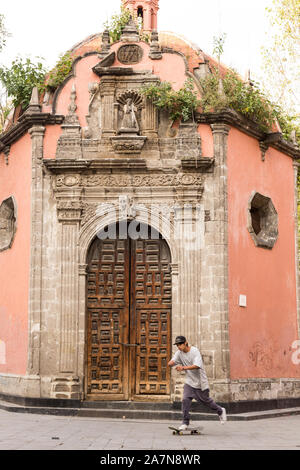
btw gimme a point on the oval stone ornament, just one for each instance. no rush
(130, 54)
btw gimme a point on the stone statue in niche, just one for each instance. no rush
(129, 122)
(128, 141)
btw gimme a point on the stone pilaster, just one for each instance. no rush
(82, 270)
(186, 274)
(69, 214)
(107, 90)
(35, 292)
(219, 254)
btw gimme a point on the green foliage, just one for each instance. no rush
(59, 73)
(117, 23)
(218, 43)
(5, 108)
(20, 79)
(247, 99)
(288, 124)
(4, 34)
(180, 104)
(280, 54)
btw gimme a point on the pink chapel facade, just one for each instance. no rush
(87, 317)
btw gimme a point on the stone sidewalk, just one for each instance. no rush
(43, 432)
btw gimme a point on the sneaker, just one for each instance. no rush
(223, 417)
(183, 427)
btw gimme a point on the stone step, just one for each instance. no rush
(142, 413)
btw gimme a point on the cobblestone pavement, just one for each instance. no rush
(20, 431)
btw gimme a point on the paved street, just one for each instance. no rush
(20, 431)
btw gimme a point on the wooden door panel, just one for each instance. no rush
(153, 335)
(129, 319)
(152, 296)
(108, 316)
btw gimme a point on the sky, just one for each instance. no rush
(47, 29)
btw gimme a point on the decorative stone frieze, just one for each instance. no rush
(124, 180)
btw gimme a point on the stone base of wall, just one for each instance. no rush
(231, 391)
(24, 386)
(222, 391)
(66, 387)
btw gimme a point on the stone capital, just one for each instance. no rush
(220, 128)
(37, 131)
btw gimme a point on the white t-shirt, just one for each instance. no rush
(196, 378)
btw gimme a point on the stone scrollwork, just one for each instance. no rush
(124, 180)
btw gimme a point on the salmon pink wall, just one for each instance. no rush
(207, 144)
(261, 335)
(15, 180)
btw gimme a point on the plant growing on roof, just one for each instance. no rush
(59, 73)
(246, 99)
(21, 78)
(117, 23)
(4, 34)
(180, 104)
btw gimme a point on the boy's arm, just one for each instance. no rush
(180, 368)
(175, 360)
(171, 363)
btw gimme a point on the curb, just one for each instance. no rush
(172, 415)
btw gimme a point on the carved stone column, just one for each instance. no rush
(219, 253)
(35, 291)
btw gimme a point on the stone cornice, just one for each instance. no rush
(234, 119)
(66, 165)
(59, 166)
(25, 122)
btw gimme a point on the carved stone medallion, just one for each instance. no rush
(130, 54)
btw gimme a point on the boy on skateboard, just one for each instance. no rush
(189, 359)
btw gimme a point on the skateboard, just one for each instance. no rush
(193, 430)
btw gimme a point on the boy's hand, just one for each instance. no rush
(179, 368)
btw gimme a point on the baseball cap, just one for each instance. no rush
(180, 339)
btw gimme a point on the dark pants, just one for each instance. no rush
(201, 396)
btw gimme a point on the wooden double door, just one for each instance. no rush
(129, 298)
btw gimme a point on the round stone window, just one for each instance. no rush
(262, 221)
